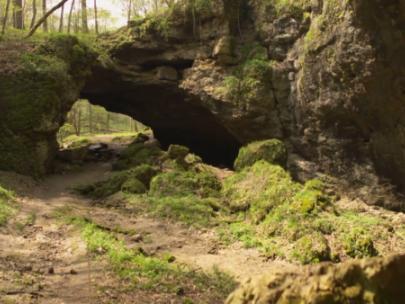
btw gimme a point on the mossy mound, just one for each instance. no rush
(259, 188)
(272, 151)
(183, 183)
(135, 180)
(134, 186)
(311, 248)
(139, 153)
(301, 223)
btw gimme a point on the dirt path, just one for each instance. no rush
(44, 261)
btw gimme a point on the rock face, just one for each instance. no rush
(326, 77)
(38, 85)
(372, 281)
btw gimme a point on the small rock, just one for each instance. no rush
(171, 259)
(137, 238)
(51, 270)
(73, 272)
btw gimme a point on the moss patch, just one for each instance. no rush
(272, 151)
(6, 208)
(156, 274)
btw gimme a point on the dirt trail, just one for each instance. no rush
(47, 262)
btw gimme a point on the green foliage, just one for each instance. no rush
(272, 151)
(184, 183)
(6, 209)
(251, 79)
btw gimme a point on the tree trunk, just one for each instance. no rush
(129, 11)
(85, 25)
(34, 13)
(62, 12)
(70, 16)
(3, 30)
(45, 22)
(44, 17)
(95, 16)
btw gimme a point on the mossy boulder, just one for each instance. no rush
(37, 88)
(259, 188)
(272, 151)
(183, 183)
(370, 281)
(311, 248)
(133, 186)
(138, 153)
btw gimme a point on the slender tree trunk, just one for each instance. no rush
(72, 6)
(34, 13)
(3, 30)
(45, 22)
(62, 12)
(95, 16)
(85, 25)
(129, 11)
(90, 110)
(44, 17)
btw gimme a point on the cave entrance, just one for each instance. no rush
(197, 129)
(91, 124)
(175, 116)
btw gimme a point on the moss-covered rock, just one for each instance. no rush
(183, 183)
(358, 243)
(311, 248)
(272, 151)
(259, 188)
(133, 186)
(371, 281)
(35, 93)
(138, 153)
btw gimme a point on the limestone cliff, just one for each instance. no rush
(39, 82)
(326, 77)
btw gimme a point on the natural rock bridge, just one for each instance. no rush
(317, 87)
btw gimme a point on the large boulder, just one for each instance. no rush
(371, 281)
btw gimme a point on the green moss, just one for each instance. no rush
(272, 151)
(135, 180)
(6, 209)
(258, 189)
(138, 153)
(358, 243)
(189, 209)
(41, 86)
(134, 186)
(183, 183)
(148, 272)
(311, 248)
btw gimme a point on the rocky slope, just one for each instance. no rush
(326, 77)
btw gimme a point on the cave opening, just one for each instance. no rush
(89, 123)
